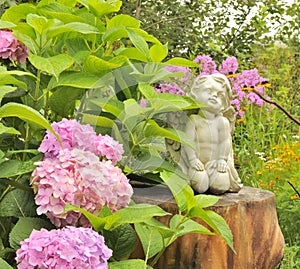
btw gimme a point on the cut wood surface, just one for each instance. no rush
(251, 215)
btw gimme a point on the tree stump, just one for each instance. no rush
(251, 215)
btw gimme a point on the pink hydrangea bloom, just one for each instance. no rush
(81, 136)
(77, 177)
(106, 146)
(11, 48)
(67, 248)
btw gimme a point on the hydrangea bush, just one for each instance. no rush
(68, 248)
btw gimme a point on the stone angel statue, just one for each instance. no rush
(210, 166)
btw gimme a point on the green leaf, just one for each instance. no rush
(182, 192)
(77, 80)
(23, 229)
(4, 264)
(122, 241)
(97, 65)
(18, 12)
(129, 264)
(122, 20)
(151, 239)
(18, 203)
(137, 213)
(158, 52)
(112, 106)
(100, 121)
(99, 9)
(6, 25)
(132, 53)
(13, 168)
(77, 27)
(63, 100)
(215, 221)
(139, 42)
(181, 62)
(8, 130)
(26, 113)
(153, 130)
(39, 23)
(53, 65)
(188, 226)
(206, 200)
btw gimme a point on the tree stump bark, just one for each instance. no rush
(251, 215)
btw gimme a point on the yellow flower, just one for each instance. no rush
(259, 172)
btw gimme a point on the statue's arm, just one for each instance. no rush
(224, 143)
(190, 154)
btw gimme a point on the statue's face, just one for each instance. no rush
(210, 93)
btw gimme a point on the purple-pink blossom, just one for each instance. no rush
(229, 66)
(207, 66)
(77, 177)
(11, 48)
(68, 248)
(82, 136)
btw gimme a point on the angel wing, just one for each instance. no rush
(177, 120)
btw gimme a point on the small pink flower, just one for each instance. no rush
(68, 248)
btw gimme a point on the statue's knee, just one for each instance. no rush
(220, 183)
(199, 180)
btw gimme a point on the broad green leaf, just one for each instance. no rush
(23, 229)
(132, 53)
(5, 89)
(77, 80)
(139, 42)
(18, 12)
(78, 27)
(98, 223)
(52, 65)
(13, 168)
(215, 221)
(112, 106)
(123, 20)
(97, 65)
(99, 8)
(114, 34)
(18, 203)
(26, 113)
(187, 226)
(158, 52)
(60, 11)
(122, 241)
(97, 120)
(6, 25)
(182, 192)
(206, 200)
(181, 62)
(39, 23)
(63, 100)
(151, 239)
(153, 130)
(4, 264)
(129, 264)
(137, 213)
(4, 72)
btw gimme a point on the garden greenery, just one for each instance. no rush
(85, 61)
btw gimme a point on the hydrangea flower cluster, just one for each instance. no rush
(68, 248)
(74, 174)
(11, 48)
(76, 135)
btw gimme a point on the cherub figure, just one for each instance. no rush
(210, 166)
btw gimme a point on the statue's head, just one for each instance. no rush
(212, 82)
